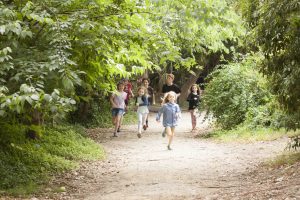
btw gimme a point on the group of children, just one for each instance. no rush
(169, 108)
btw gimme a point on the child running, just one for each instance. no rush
(171, 113)
(117, 101)
(194, 99)
(150, 94)
(142, 110)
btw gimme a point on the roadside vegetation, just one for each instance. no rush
(27, 164)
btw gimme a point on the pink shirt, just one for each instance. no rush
(119, 99)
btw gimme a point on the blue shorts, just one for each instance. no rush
(117, 111)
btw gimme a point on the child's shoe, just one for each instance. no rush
(118, 130)
(139, 135)
(169, 148)
(144, 127)
(115, 135)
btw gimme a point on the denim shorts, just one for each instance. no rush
(117, 111)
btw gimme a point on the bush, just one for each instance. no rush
(266, 115)
(233, 90)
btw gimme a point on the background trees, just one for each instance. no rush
(56, 54)
(274, 27)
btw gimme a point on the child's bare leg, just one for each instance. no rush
(120, 120)
(193, 119)
(114, 120)
(170, 132)
(117, 122)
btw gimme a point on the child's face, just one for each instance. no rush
(171, 98)
(146, 83)
(169, 80)
(120, 87)
(194, 88)
(141, 92)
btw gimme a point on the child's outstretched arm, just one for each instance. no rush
(160, 111)
(178, 112)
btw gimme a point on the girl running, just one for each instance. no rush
(194, 100)
(171, 113)
(142, 110)
(117, 101)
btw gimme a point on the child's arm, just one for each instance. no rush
(111, 99)
(160, 111)
(178, 112)
(145, 101)
(189, 97)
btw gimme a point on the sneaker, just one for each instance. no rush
(164, 133)
(169, 148)
(144, 127)
(139, 135)
(115, 135)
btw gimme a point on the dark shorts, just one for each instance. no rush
(117, 111)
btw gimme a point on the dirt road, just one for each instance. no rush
(144, 169)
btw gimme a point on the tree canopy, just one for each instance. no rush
(50, 48)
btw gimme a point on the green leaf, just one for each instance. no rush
(35, 97)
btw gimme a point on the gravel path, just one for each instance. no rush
(144, 168)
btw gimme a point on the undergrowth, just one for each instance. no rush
(26, 164)
(244, 134)
(288, 158)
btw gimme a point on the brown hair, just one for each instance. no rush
(145, 79)
(120, 83)
(198, 88)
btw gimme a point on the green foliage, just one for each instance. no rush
(275, 28)
(265, 115)
(278, 35)
(233, 90)
(57, 47)
(99, 115)
(27, 162)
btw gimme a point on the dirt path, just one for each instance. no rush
(144, 168)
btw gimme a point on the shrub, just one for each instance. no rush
(233, 90)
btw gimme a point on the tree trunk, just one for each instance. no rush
(186, 87)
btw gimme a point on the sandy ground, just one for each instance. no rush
(195, 169)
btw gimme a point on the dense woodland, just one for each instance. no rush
(61, 59)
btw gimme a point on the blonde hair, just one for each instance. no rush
(142, 88)
(171, 75)
(165, 100)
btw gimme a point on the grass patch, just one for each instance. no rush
(289, 158)
(27, 164)
(243, 134)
